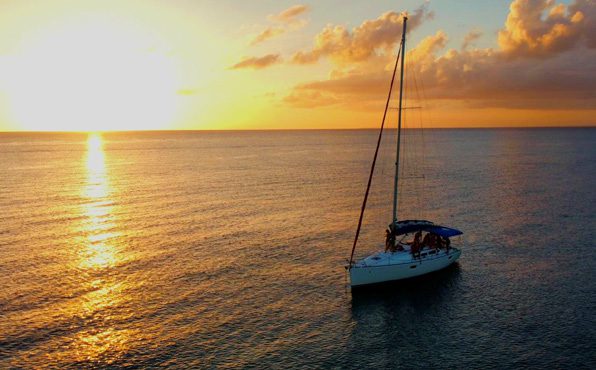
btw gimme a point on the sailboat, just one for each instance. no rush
(429, 249)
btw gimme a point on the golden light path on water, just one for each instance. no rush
(100, 341)
(98, 210)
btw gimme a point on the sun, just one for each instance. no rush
(93, 75)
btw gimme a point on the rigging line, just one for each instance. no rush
(421, 150)
(415, 152)
(428, 116)
(422, 137)
(403, 187)
(372, 168)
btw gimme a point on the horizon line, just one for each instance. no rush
(295, 129)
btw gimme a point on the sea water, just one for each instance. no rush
(227, 250)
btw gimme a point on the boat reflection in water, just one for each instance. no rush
(419, 293)
(394, 323)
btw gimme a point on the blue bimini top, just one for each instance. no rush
(411, 226)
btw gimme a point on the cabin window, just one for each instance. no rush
(376, 258)
(423, 254)
(413, 266)
(432, 252)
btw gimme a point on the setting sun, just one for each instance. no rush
(92, 74)
(167, 65)
(199, 184)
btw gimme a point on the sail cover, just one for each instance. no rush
(411, 226)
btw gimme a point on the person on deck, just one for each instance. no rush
(415, 245)
(440, 242)
(389, 240)
(426, 241)
(435, 242)
(447, 243)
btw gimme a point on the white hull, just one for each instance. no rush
(390, 266)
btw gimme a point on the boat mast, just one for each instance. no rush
(372, 167)
(401, 89)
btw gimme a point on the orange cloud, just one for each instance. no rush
(309, 98)
(344, 47)
(288, 20)
(507, 77)
(588, 24)
(266, 34)
(258, 62)
(538, 28)
(290, 14)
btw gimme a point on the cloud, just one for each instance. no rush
(588, 25)
(344, 47)
(538, 28)
(258, 62)
(310, 99)
(287, 19)
(266, 34)
(470, 38)
(481, 78)
(510, 76)
(289, 15)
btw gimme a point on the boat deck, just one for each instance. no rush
(399, 257)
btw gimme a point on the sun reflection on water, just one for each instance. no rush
(102, 340)
(100, 223)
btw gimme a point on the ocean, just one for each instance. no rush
(227, 250)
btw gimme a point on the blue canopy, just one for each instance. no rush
(411, 226)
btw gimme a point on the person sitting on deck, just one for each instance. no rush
(447, 243)
(390, 241)
(440, 242)
(435, 241)
(416, 245)
(417, 237)
(426, 242)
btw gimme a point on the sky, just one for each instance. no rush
(93, 65)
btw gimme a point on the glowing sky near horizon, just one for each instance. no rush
(114, 65)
